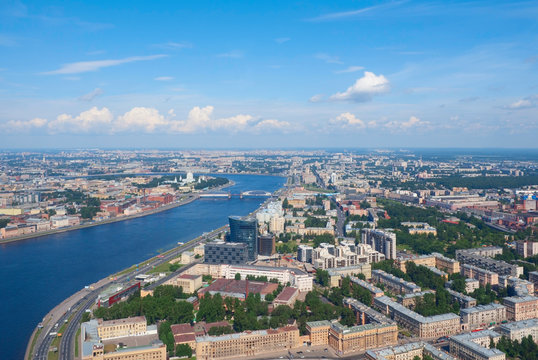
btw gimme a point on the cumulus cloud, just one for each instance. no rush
(24, 125)
(91, 95)
(364, 88)
(140, 118)
(93, 120)
(413, 122)
(87, 66)
(347, 119)
(148, 120)
(272, 125)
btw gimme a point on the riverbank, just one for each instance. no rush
(190, 198)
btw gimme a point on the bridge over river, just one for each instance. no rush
(242, 194)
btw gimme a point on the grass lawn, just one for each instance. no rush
(77, 339)
(162, 268)
(34, 340)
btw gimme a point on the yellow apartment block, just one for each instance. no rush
(344, 339)
(248, 344)
(121, 327)
(150, 352)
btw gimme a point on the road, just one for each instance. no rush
(86, 298)
(66, 348)
(340, 231)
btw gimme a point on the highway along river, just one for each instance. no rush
(37, 274)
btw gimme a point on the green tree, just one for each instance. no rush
(237, 276)
(183, 350)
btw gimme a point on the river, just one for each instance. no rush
(40, 273)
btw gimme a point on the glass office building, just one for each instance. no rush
(245, 231)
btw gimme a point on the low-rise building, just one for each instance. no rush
(447, 264)
(475, 346)
(521, 307)
(189, 283)
(520, 329)
(482, 316)
(286, 297)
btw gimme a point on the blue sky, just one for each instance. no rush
(268, 74)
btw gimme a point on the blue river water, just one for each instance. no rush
(37, 274)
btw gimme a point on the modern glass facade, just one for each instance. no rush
(245, 231)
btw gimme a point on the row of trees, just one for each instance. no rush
(163, 305)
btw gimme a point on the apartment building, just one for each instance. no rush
(410, 300)
(464, 300)
(446, 264)
(422, 326)
(395, 283)
(483, 276)
(408, 352)
(526, 248)
(248, 343)
(521, 307)
(374, 290)
(475, 346)
(482, 316)
(345, 339)
(121, 327)
(496, 266)
(520, 329)
(155, 351)
(381, 241)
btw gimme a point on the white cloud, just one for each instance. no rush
(140, 118)
(14, 126)
(525, 103)
(316, 98)
(350, 69)
(87, 66)
(234, 54)
(364, 88)
(171, 45)
(164, 78)
(413, 122)
(347, 119)
(148, 120)
(91, 95)
(92, 120)
(328, 58)
(272, 125)
(352, 13)
(282, 40)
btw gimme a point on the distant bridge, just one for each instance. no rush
(249, 193)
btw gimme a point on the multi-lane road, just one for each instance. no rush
(75, 312)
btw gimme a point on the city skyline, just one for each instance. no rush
(239, 75)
